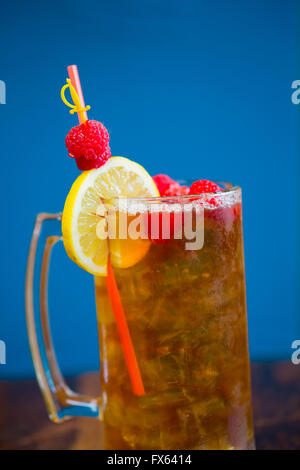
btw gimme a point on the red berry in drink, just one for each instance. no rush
(174, 189)
(204, 186)
(163, 182)
(184, 190)
(168, 187)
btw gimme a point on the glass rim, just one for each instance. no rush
(228, 189)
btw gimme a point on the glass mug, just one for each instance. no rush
(185, 310)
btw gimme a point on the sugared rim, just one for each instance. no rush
(230, 196)
(229, 189)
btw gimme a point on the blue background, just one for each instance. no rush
(195, 89)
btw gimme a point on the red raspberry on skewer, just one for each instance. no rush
(83, 164)
(88, 143)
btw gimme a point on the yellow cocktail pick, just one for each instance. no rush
(76, 107)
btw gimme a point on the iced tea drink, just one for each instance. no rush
(186, 312)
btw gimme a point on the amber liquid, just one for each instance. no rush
(186, 311)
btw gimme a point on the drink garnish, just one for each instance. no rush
(88, 143)
(204, 186)
(107, 178)
(169, 187)
(163, 182)
(175, 189)
(82, 225)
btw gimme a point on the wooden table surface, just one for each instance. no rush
(24, 423)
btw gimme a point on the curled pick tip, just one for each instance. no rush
(76, 107)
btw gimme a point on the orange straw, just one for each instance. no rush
(74, 77)
(128, 350)
(112, 288)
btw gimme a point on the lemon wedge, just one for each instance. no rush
(83, 218)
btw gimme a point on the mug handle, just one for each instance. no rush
(62, 403)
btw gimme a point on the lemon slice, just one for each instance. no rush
(83, 219)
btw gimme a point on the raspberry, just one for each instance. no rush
(174, 189)
(89, 144)
(163, 182)
(84, 164)
(204, 186)
(169, 187)
(184, 190)
(224, 215)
